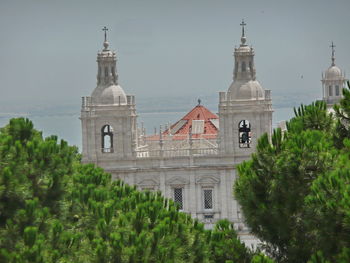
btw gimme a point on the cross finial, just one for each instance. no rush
(243, 24)
(333, 51)
(105, 29)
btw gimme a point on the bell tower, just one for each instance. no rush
(108, 117)
(245, 110)
(333, 81)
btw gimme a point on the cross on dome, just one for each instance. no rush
(105, 43)
(243, 24)
(243, 38)
(333, 51)
(105, 29)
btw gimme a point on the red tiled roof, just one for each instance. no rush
(181, 129)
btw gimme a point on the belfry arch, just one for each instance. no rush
(107, 138)
(244, 131)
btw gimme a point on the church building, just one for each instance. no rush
(192, 161)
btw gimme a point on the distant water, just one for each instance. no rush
(68, 126)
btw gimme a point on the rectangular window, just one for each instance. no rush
(243, 66)
(197, 126)
(330, 91)
(178, 197)
(208, 198)
(336, 90)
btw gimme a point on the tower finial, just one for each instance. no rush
(333, 51)
(243, 24)
(243, 38)
(105, 44)
(105, 29)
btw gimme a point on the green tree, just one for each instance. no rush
(225, 245)
(342, 111)
(54, 209)
(294, 191)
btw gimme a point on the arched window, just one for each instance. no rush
(106, 71)
(107, 139)
(250, 66)
(244, 129)
(330, 91)
(243, 66)
(336, 90)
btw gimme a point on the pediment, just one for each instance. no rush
(148, 182)
(177, 181)
(207, 180)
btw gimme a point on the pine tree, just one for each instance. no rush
(294, 191)
(54, 209)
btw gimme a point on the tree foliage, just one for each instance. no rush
(54, 209)
(295, 190)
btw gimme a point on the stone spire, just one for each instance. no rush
(106, 60)
(244, 69)
(107, 91)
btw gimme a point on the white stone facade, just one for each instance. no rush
(201, 179)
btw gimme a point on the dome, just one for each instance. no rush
(333, 73)
(113, 95)
(246, 90)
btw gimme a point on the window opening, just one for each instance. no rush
(197, 126)
(236, 69)
(107, 139)
(99, 74)
(208, 198)
(244, 134)
(336, 90)
(106, 72)
(178, 197)
(243, 66)
(330, 91)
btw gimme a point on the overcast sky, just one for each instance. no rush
(166, 48)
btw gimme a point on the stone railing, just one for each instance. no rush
(140, 153)
(86, 102)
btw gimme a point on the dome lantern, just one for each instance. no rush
(108, 91)
(244, 85)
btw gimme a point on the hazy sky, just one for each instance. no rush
(48, 48)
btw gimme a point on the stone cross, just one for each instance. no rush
(105, 29)
(243, 24)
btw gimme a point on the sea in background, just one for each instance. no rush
(63, 119)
